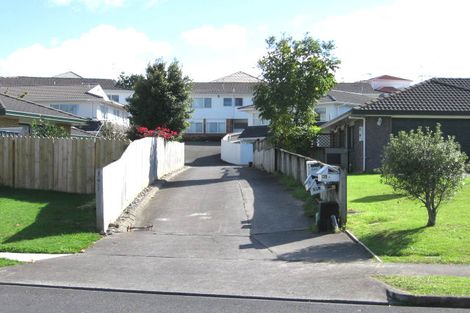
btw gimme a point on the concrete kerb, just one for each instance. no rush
(29, 257)
(355, 239)
(397, 297)
(129, 214)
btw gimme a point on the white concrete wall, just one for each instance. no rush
(118, 183)
(236, 152)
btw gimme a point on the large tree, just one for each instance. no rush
(127, 81)
(425, 166)
(161, 97)
(295, 75)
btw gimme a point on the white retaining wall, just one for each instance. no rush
(236, 152)
(118, 183)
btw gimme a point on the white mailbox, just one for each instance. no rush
(320, 176)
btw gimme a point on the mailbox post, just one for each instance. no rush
(330, 183)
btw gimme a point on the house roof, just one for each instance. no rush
(388, 89)
(347, 97)
(238, 77)
(52, 93)
(12, 106)
(254, 132)
(437, 96)
(389, 77)
(362, 87)
(223, 88)
(77, 132)
(56, 81)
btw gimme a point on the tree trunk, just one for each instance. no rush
(431, 217)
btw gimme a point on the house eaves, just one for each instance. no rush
(44, 116)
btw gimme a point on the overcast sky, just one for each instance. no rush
(414, 39)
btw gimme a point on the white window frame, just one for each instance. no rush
(193, 130)
(66, 107)
(219, 128)
(201, 103)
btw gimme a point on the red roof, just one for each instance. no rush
(389, 77)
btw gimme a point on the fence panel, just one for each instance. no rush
(59, 164)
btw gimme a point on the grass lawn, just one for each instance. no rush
(46, 222)
(5, 262)
(429, 285)
(394, 227)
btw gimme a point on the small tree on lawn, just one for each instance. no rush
(161, 98)
(425, 166)
(295, 74)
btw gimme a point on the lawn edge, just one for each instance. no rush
(397, 297)
(355, 239)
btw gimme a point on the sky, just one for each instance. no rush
(413, 39)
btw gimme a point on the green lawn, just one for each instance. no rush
(394, 227)
(46, 222)
(430, 285)
(5, 262)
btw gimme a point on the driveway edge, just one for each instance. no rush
(396, 297)
(355, 239)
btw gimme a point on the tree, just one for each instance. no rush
(295, 75)
(110, 131)
(127, 81)
(43, 128)
(161, 98)
(425, 166)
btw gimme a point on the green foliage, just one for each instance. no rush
(430, 285)
(425, 166)
(127, 81)
(296, 74)
(161, 98)
(110, 131)
(298, 191)
(391, 224)
(43, 128)
(6, 262)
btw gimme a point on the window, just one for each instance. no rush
(240, 125)
(321, 114)
(195, 127)
(116, 113)
(216, 127)
(238, 102)
(114, 98)
(228, 102)
(70, 108)
(104, 111)
(199, 103)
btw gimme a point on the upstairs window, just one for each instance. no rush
(114, 98)
(200, 103)
(228, 102)
(321, 114)
(69, 108)
(238, 102)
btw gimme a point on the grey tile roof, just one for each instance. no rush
(361, 87)
(222, 88)
(238, 77)
(56, 81)
(51, 93)
(9, 103)
(254, 132)
(437, 96)
(348, 97)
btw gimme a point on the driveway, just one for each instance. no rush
(218, 229)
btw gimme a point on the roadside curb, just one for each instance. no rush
(396, 297)
(354, 238)
(206, 295)
(30, 257)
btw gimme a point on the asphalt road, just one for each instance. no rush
(15, 299)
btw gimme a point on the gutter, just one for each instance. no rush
(45, 116)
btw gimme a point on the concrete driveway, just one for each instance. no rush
(218, 229)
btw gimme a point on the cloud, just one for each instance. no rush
(90, 4)
(225, 37)
(104, 51)
(414, 39)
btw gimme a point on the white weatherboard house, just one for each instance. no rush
(95, 99)
(215, 105)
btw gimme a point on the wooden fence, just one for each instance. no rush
(59, 164)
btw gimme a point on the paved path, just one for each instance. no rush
(221, 229)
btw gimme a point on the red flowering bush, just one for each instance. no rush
(160, 131)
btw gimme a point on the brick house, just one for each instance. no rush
(358, 136)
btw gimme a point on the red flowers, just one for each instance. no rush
(163, 132)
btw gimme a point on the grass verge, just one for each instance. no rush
(394, 227)
(6, 262)
(298, 191)
(34, 221)
(429, 285)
